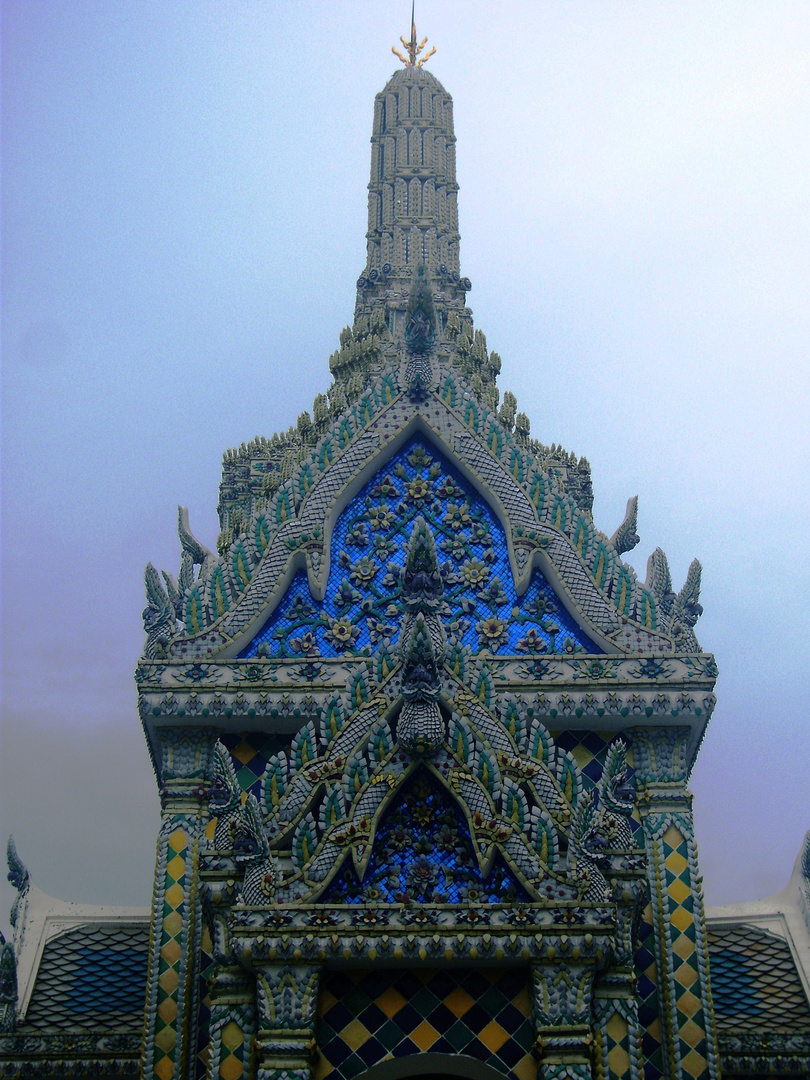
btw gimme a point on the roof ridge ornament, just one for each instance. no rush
(413, 49)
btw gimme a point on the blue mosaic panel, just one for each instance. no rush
(363, 604)
(423, 853)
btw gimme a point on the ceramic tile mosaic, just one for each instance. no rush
(691, 1021)
(648, 999)
(363, 604)
(92, 977)
(588, 749)
(755, 984)
(369, 1016)
(250, 752)
(423, 852)
(171, 953)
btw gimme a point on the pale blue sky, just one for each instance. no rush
(184, 211)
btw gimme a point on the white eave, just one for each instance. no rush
(42, 918)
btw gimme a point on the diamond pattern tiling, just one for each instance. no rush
(588, 749)
(170, 954)
(648, 1008)
(368, 1016)
(688, 1004)
(755, 985)
(250, 752)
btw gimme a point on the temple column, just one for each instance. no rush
(287, 999)
(676, 904)
(562, 998)
(172, 994)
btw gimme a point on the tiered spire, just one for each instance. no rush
(412, 202)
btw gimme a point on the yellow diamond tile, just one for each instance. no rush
(325, 1002)
(165, 1040)
(691, 1033)
(680, 918)
(493, 1036)
(244, 752)
(458, 1002)
(616, 1027)
(425, 1036)
(526, 1068)
(672, 838)
(323, 1067)
(231, 1068)
(164, 1069)
(523, 1002)
(694, 1064)
(654, 1028)
(675, 863)
(686, 976)
(174, 895)
(168, 981)
(171, 951)
(173, 924)
(176, 867)
(619, 1061)
(354, 1034)
(232, 1037)
(688, 1003)
(679, 891)
(167, 1010)
(178, 841)
(390, 1002)
(683, 947)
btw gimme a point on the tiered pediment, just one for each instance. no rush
(342, 516)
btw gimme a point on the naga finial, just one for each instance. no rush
(413, 49)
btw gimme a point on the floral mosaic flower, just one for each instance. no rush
(421, 877)
(393, 574)
(480, 534)
(493, 593)
(363, 570)
(357, 535)
(306, 644)
(342, 633)
(419, 457)
(299, 609)
(417, 491)
(475, 572)
(449, 489)
(346, 594)
(569, 645)
(378, 630)
(455, 547)
(383, 548)
(457, 516)
(380, 517)
(492, 632)
(386, 488)
(532, 642)
(540, 606)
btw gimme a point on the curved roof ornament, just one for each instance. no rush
(413, 49)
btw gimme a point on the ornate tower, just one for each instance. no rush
(422, 736)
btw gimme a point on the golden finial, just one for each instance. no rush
(413, 49)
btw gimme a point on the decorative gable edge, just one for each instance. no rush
(218, 602)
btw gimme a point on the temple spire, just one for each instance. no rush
(412, 197)
(413, 49)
